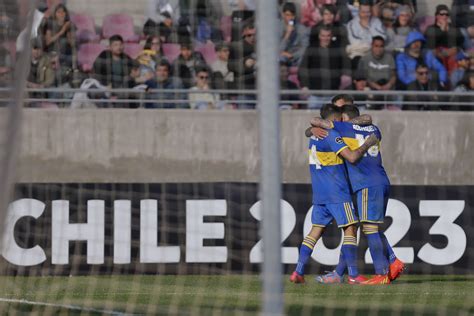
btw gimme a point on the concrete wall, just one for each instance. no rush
(419, 148)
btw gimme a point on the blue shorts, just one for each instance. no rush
(344, 214)
(372, 203)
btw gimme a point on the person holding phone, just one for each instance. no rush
(291, 41)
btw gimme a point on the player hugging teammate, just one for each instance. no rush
(345, 146)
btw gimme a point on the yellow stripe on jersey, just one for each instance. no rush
(349, 215)
(351, 142)
(329, 158)
(365, 195)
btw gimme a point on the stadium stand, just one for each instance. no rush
(86, 29)
(119, 24)
(87, 54)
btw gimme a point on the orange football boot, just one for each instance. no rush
(296, 278)
(396, 268)
(378, 279)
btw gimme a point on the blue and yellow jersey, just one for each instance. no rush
(368, 171)
(328, 174)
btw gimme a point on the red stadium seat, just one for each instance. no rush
(87, 54)
(208, 51)
(132, 49)
(226, 28)
(119, 24)
(171, 51)
(424, 21)
(86, 30)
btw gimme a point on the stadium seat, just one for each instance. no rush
(424, 21)
(132, 49)
(346, 82)
(119, 24)
(171, 51)
(208, 51)
(226, 28)
(11, 48)
(294, 78)
(86, 30)
(87, 54)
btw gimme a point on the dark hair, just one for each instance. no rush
(62, 6)
(328, 7)
(115, 38)
(165, 63)
(347, 98)
(422, 65)
(351, 110)
(289, 6)
(328, 109)
(378, 38)
(149, 41)
(366, 2)
(202, 68)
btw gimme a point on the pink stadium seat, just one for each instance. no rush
(226, 28)
(119, 24)
(11, 48)
(208, 51)
(86, 31)
(346, 81)
(424, 21)
(171, 51)
(87, 54)
(132, 49)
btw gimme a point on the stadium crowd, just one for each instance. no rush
(358, 45)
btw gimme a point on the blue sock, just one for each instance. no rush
(341, 266)
(349, 251)
(306, 250)
(376, 249)
(388, 251)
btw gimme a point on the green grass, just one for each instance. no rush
(233, 294)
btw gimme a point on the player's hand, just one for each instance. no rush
(371, 140)
(319, 132)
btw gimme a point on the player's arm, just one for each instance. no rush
(353, 156)
(317, 128)
(364, 119)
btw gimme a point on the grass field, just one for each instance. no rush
(227, 295)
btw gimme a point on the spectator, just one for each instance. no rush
(135, 81)
(166, 30)
(311, 11)
(377, 9)
(243, 63)
(222, 77)
(471, 59)
(63, 77)
(421, 83)
(112, 66)
(329, 13)
(401, 28)
(379, 68)
(207, 21)
(288, 101)
(465, 85)
(41, 73)
(292, 36)
(6, 67)
(157, 11)
(185, 65)
(414, 54)
(444, 38)
(164, 81)
(462, 13)
(60, 36)
(462, 66)
(149, 57)
(242, 5)
(321, 68)
(468, 33)
(204, 99)
(361, 30)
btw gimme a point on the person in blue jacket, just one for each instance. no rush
(414, 54)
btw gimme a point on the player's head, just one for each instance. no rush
(340, 99)
(349, 111)
(330, 112)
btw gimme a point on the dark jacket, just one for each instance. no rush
(107, 75)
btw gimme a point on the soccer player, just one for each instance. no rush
(371, 185)
(331, 194)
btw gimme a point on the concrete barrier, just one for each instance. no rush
(144, 146)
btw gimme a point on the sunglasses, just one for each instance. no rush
(422, 73)
(203, 77)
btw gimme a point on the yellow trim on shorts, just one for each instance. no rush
(348, 224)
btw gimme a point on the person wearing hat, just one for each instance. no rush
(184, 67)
(414, 54)
(462, 60)
(445, 39)
(402, 26)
